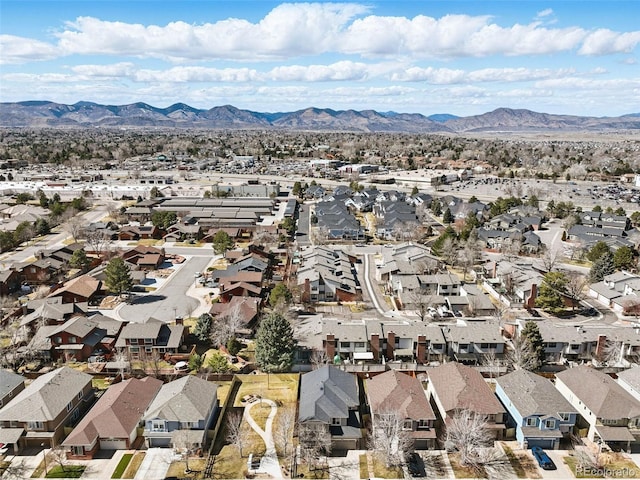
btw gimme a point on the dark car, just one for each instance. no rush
(415, 465)
(543, 459)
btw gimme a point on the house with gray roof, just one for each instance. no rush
(51, 402)
(327, 275)
(151, 337)
(187, 406)
(394, 393)
(629, 379)
(541, 415)
(471, 341)
(329, 398)
(112, 423)
(10, 385)
(454, 387)
(612, 413)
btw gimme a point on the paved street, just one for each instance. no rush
(170, 300)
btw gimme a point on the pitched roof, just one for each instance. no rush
(461, 387)
(9, 381)
(84, 286)
(327, 393)
(117, 413)
(398, 392)
(46, 396)
(532, 394)
(188, 399)
(600, 393)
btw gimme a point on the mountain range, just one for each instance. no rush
(44, 114)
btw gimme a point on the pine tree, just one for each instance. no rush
(79, 259)
(274, 344)
(447, 216)
(602, 267)
(118, 276)
(531, 336)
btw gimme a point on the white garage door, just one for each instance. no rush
(113, 444)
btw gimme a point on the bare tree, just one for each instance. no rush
(12, 338)
(183, 445)
(467, 433)
(521, 355)
(74, 227)
(59, 456)
(421, 301)
(283, 431)
(315, 443)
(224, 327)
(390, 438)
(612, 353)
(123, 362)
(492, 364)
(449, 251)
(576, 287)
(318, 358)
(97, 240)
(236, 435)
(549, 259)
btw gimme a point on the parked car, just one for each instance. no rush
(543, 459)
(415, 465)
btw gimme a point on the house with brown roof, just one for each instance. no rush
(246, 308)
(454, 387)
(42, 270)
(81, 289)
(395, 393)
(139, 232)
(112, 423)
(612, 413)
(144, 257)
(10, 280)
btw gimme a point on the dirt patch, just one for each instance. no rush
(110, 302)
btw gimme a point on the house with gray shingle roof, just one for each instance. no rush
(329, 397)
(612, 413)
(189, 404)
(153, 336)
(629, 379)
(51, 402)
(327, 275)
(112, 423)
(541, 415)
(396, 393)
(454, 387)
(10, 385)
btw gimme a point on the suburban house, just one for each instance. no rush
(454, 387)
(405, 259)
(76, 339)
(51, 311)
(514, 284)
(335, 222)
(611, 413)
(10, 385)
(10, 281)
(618, 291)
(181, 412)
(144, 257)
(400, 395)
(471, 341)
(81, 289)
(139, 232)
(51, 402)
(629, 379)
(153, 337)
(541, 415)
(244, 308)
(327, 275)
(329, 398)
(112, 423)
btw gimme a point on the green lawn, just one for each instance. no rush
(133, 467)
(122, 465)
(70, 471)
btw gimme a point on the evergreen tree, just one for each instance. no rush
(221, 242)
(623, 258)
(597, 251)
(274, 344)
(297, 189)
(602, 267)
(447, 216)
(118, 276)
(552, 291)
(280, 294)
(79, 260)
(531, 335)
(203, 325)
(218, 363)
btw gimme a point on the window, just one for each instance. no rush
(148, 349)
(77, 451)
(336, 421)
(58, 340)
(345, 344)
(551, 345)
(189, 424)
(69, 406)
(422, 423)
(158, 426)
(574, 346)
(531, 421)
(407, 425)
(463, 346)
(73, 339)
(359, 344)
(484, 346)
(35, 425)
(549, 423)
(80, 394)
(148, 341)
(75, 415)
(134, 349)
(565, 416)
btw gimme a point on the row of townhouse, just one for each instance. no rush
(327, 275)
(64, 399)
(618, 291)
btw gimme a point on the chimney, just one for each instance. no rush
(375, 346)
(306, 293)
(531, 301)
(179, 321)
(391, 345)
(421, 354)
(330, 346)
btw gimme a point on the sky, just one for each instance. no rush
(422, 56)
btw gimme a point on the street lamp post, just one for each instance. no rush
(44, 458)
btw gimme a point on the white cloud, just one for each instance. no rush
(20, 49)
(446, 76)
(605, 42)
(544, 13)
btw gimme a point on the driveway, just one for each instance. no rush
(563, 472)
(155, 464)
(170, 300)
